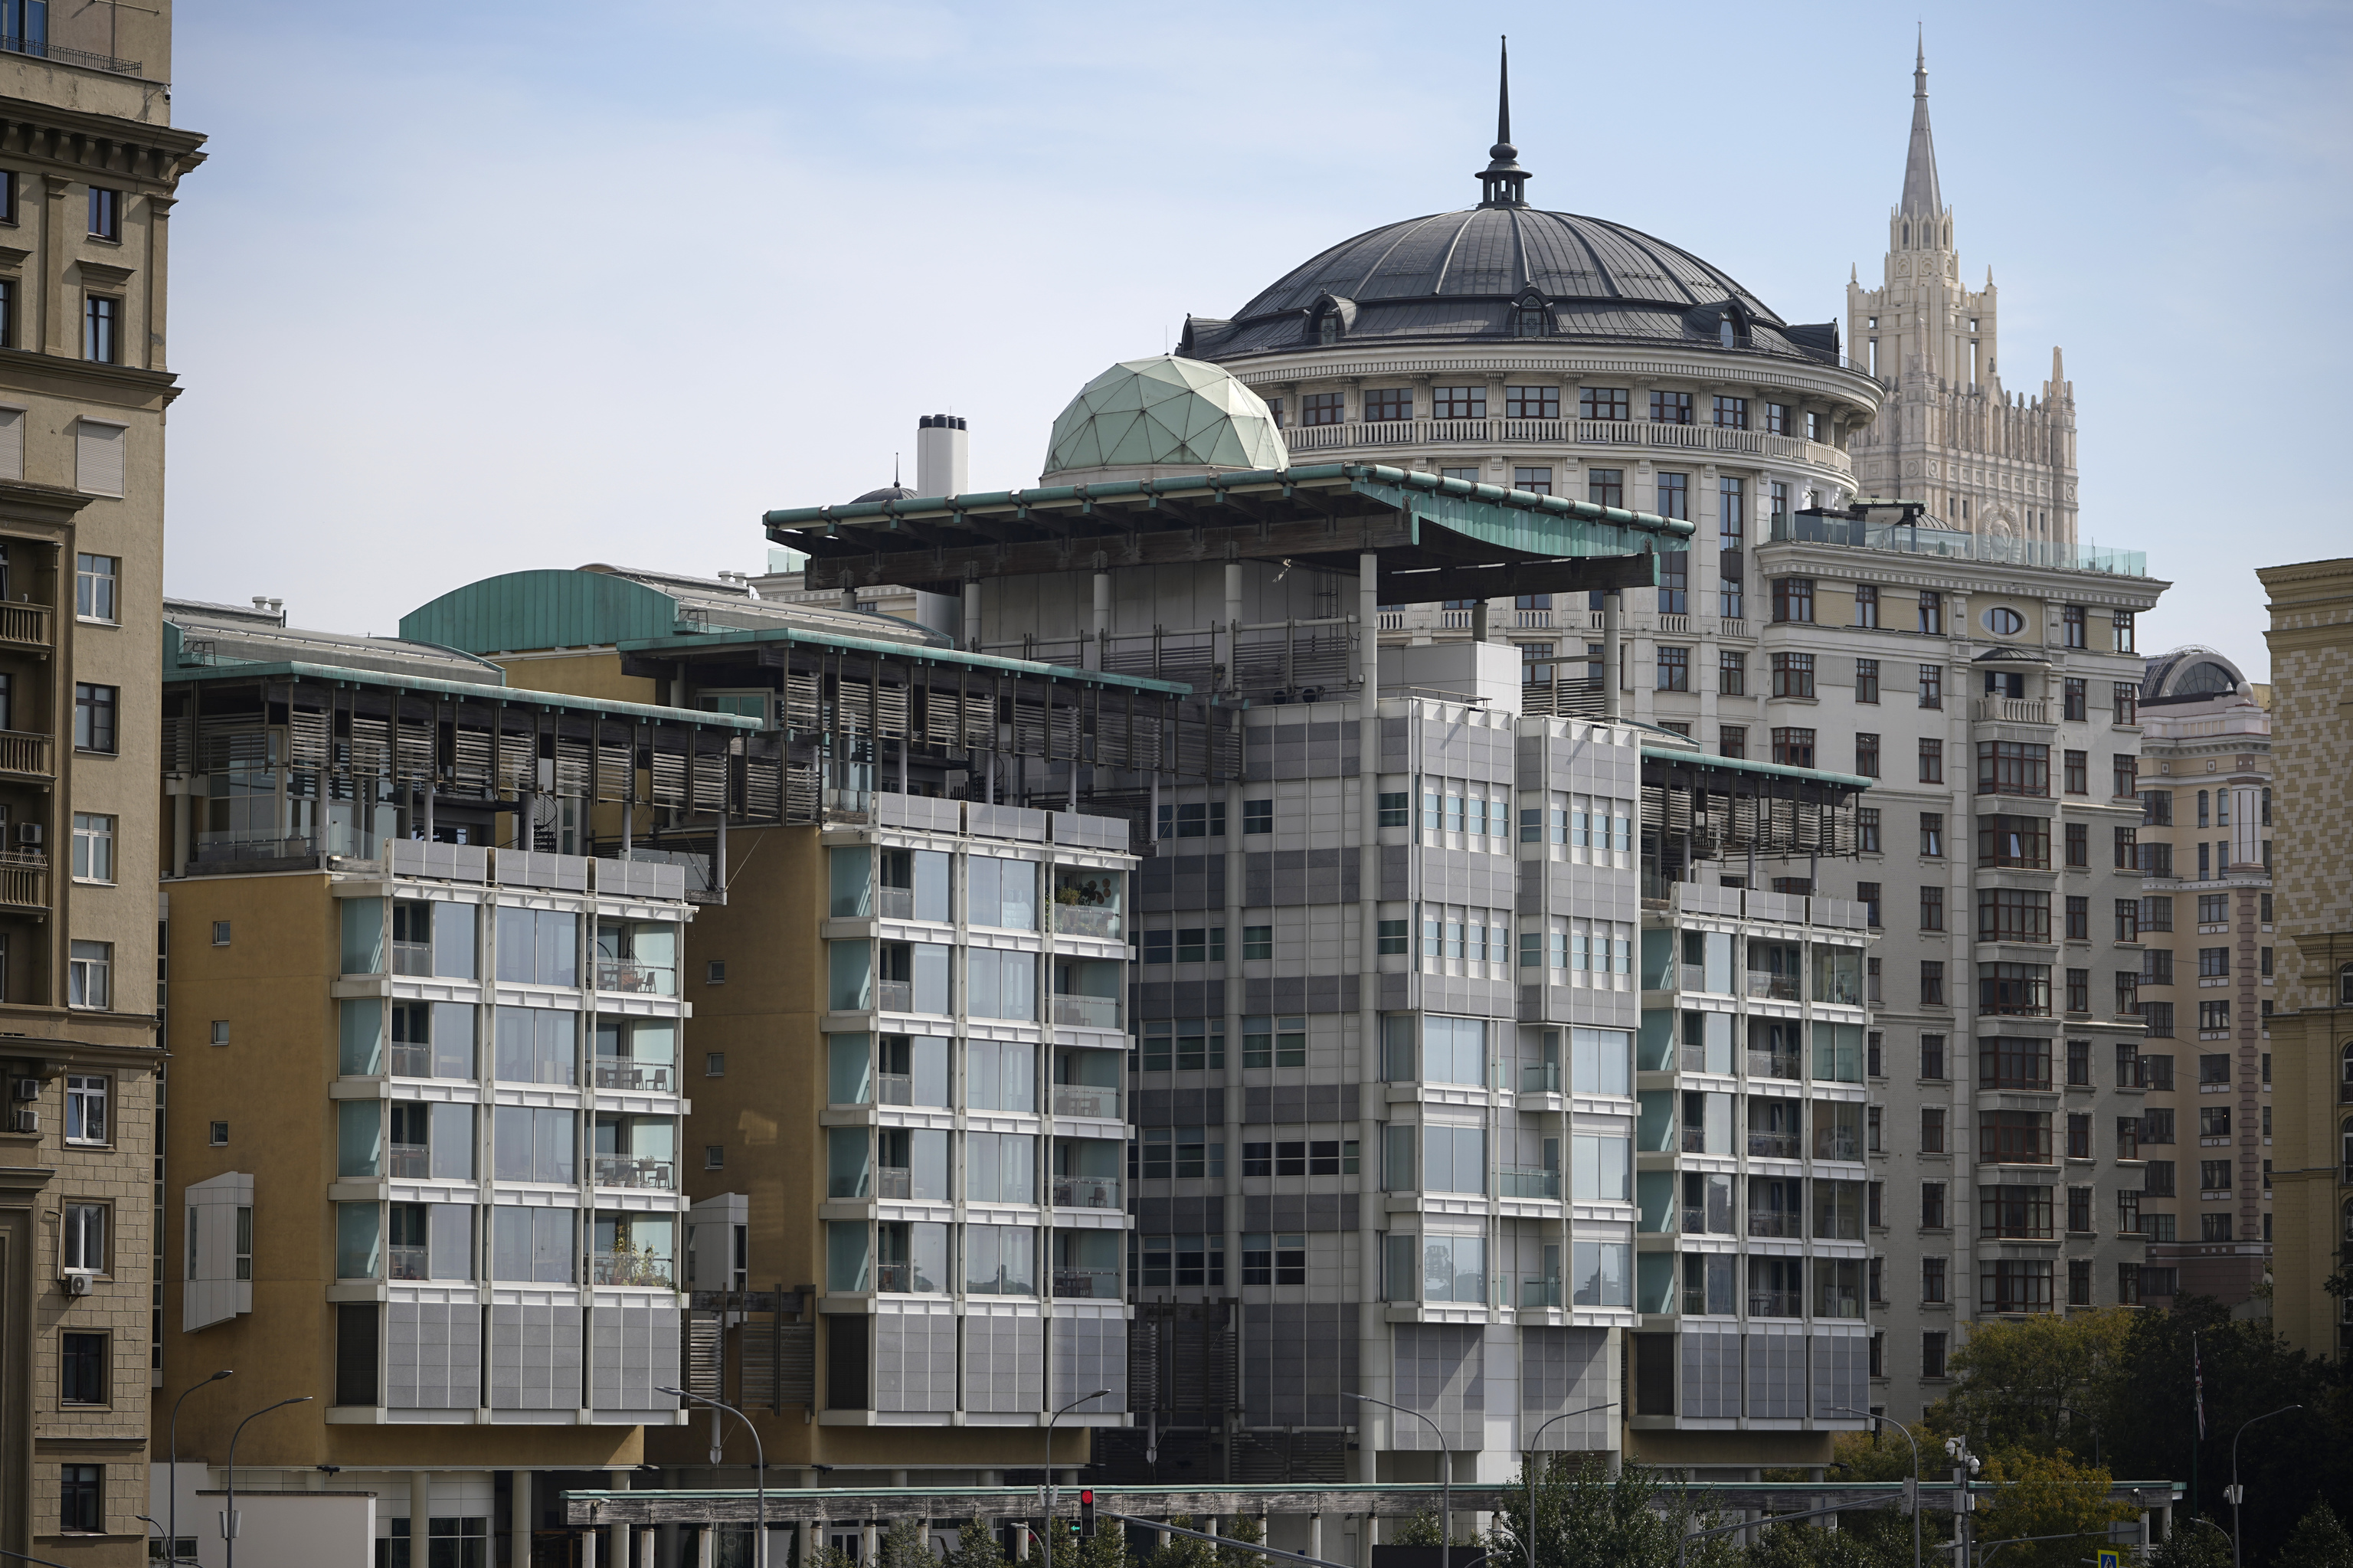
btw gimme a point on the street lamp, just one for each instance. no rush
(172, 1546)
(1098, 1394)
(1883, 1421)
(2236, 1493)
(1445, 1475)
(1529, 1468)
(228, 1519)
(760, 1451)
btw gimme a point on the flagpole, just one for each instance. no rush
(2198, 1397)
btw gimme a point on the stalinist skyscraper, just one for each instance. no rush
(1983, 458)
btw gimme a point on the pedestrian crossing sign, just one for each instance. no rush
(2111, 1558)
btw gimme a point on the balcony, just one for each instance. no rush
(1773, 1145)
(1526, 1182)
(412, 957)
(1775, 1304)
(1087, 920)
(41, 49)
(894, 996)
(1915, 539)
(1766, 986)
(1086, 1099)
(26, 752)
(644, 1268)
(894, 1181)
(1085, 1284)
(1087, 1012)
(618, 1073)
(407, 1262)
(1086, 1192)
(1539, 1290)
(1694, 1141)
(894, 1089)
(24, 625)
(1771, 1222)
(24, 881)
(1539, 1077)
(1603, 433)
(630, 1170)
(2011, 710)
(1775, 1065)
(409, 1162)
(411, 1061)
(895, 903)
(630, 977)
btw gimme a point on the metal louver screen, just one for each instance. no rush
(701, 1366)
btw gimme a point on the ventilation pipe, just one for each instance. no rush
(942, 455)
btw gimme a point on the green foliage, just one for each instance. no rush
(1183, 1551)
(1107, 1547)
(2194, 1543)
(1421, 1530)
(2034, 1382)
(1806, 1545)
(977, 1547)
(2046, 1495)
(1242, 1527)
(2318, 1541)
(906, 1545)
(1587, 1518)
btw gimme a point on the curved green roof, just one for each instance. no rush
(543, 609)
(1165, 413)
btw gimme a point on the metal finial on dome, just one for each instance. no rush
(1501, 182)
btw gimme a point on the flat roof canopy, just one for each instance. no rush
(1437, 538)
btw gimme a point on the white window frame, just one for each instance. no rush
(90, 977)
(85, 1092)
(87, 580)
(82, 1239)
(93, 840)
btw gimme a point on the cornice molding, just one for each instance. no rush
(105, 273)
(131, 150)
(117, 378)
(49, 505)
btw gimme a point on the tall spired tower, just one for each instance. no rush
(1984, 459)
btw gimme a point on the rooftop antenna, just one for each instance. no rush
(1501, 182)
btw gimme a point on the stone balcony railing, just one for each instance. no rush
(1532, 434)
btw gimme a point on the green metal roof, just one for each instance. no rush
(543, 609)
(464, 691)
(1151, 413)
(1742, 765)
(912, 653)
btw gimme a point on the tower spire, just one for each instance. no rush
(1502, 181)
(1921, 197)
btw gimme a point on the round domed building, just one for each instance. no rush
(1554, 353)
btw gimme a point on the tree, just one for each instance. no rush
(1183, 1551)
(2318, 1541)
(2046, 1496)
(1242, 1527)
(977, 1547)
(1587, 1518)
(906, 1545)
(2033, 1383)
(2194, 1543)
(1803, 1545)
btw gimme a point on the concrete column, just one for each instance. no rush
(1478, 620)
(1372, 1331)
(623, 1536)
(706, 1548)
(420, 1509)
(1102, 621)
(1233, 619)
(1315, 1535)
(1613, 677)
(806, 1555)
(588, 1549)
(971, 617)
(522, 1513)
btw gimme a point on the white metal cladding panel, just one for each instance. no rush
(536, 1358)
(636, 1345)
(213, 1293)
(1004, 1363)
(1776, 1376)
(432, 1356)
(1711, 1376)
(1440, 1372)
(98, 457)
(916, 1357)
(1091, 1353)
(1841, 1368)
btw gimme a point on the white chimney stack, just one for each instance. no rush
(942, 455)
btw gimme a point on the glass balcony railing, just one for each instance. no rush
(894, 996)
(1539, 1290)
(895, 903)
(1087, 920)
(407, 1263)
(632, 1171)
(1775, 1304)
(412, 957)
(1086, 1099)
(620, 1073)
(1087, 1012)
(1764, 985)
(1770, 1222)
(894, 1181)
(1695, 1139)
(1773, 1145)
(1526, 1182)
(894, 1089)
(630, 978)
(643, 1267)
(1776, 1064)
(1086, 1192)
(412, 1161)
(1087, 1284)
(1539, 1077)
(411, 1061)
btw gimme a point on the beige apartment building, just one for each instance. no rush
(2208, 959)
(2311, 641)
(88, 165)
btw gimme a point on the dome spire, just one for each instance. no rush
(1501, 182)
(1921, 197)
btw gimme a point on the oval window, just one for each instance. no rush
(2004, 622)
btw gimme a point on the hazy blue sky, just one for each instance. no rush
(538, 284)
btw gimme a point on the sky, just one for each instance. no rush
(586, 282)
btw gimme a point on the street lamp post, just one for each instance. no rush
(1529, 1468)
(1445, 1476)
(760, 1474)
(171, 1511)
(1098, 1394)
(228, 1519)
(2236, 1493)
(1883, 1421)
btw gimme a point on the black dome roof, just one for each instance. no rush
(888, 492)
(1467, 274)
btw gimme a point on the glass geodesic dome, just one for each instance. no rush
(1180, 415)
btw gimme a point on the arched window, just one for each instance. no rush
(1727, 334)
(1528, 319)
(1327, 327)
(2344, 1065)
(1907, 236)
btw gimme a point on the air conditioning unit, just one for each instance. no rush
(28, 834)
(76, 1283)
(29, 1088)
(24, 1118)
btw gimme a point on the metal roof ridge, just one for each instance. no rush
(914, 650)
(1743, 765)
(301, 669)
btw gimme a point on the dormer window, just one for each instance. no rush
(1530, 317)
(1726, 334)
(1327, 327)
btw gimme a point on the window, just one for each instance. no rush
(1673, 500)
(1531, 402)
(93, 847)
(2127, 701)
(1932, 1206)
(2013, 915)
(81, 1239)
(1932, 685)
(2079, 986)
(2213, 1016)
(1931, 762)
(1732, 673)
(1458, 402)
(1602, 403)
(1932, 909)
(1732, 413)
(1932, 614)
(1674, 669)
(101, 320)
(1793, 748)
(81, 1369)
(2128, 851)
(2126, 772)
(86, 1109)
(1793, 600)
(2078, 773)
(1397, 810)
(105, 211)
(1670, 407)
(1606, 486)
(1866, 601)
(1321, 408)
(715, 1064)
(2159, 1017)
(1732, 741)
(1194, 821)
(714, 972)
(1932, 1057)
(1932, 982)
(2071, 626)
(2213, 1175)
(2014, 989)
(714, 1156)
(2011, 1062)
(81, 1499)
(1395, 936)
(1793, 676)
(1866, 679)
(2014, 1137)
(2127, 912)
(1258, 816)
(89, 976)
(1536, 482)
(1932, 834)
(2079, 843)
(2123, 632)
(1932, 1129)
(97, 579)
(1867, 894)
(2013, 768)
(94, 716)
(1866, 821)
(1257, 941)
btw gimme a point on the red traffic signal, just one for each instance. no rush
(1087, 1511)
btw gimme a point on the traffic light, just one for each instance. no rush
(1086, 1513)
